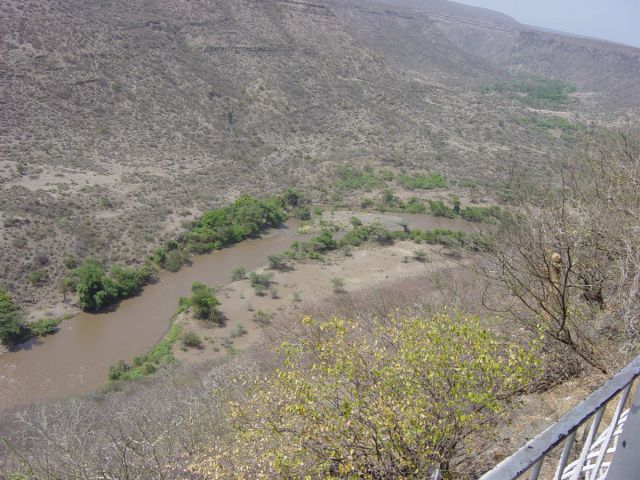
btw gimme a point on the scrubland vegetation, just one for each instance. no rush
(397, 386)
(537, 92)
(246, 217)
(14, 329)
(140, 134)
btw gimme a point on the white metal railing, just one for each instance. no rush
(614, 453)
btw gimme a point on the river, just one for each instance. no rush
(76, 360)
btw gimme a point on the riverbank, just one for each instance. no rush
(77, 359)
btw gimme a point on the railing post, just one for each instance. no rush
(566, 451)
(593, 432)
(626, 459)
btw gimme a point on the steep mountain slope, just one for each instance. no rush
(609, 70)
(120, 121)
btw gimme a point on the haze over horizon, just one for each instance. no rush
(612, 20)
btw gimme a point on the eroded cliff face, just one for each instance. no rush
(607, 70)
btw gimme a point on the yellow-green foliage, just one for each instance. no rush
(394, 400)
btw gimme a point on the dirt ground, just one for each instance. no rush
(301, 283)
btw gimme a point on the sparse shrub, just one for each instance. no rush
(439, 209)
(420, 256)
(338, 285)
(238, 273)
(260, 279)
(70, 262)
(191, 340)
(37, 276)
(104, 202)
(239, 331)
(277, 261)
(262, 318)
(367, 203)
(414, 205)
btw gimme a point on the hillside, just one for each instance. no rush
(610, 71)
(121, 121)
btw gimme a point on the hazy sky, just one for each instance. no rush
(615, 20)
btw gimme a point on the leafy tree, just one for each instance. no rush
(95, 290)
(392, 400)
(244, 218)
(127, 281)
(12, 328)
(204, 303)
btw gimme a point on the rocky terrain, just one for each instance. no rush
(121, 121)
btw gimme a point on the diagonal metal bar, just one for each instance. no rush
(535, 471)
(612, 429)
(588, 442)
(566, 451)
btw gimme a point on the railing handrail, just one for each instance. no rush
(525, 458)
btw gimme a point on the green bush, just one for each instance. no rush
(349, 178)
(244, 218)
(324, 242)
(12, 327)
(537, 92)
(397, 399)
(44, 327)
(148, 363)
(414, 205)
(422, 182)
(481, 214)
(439, 209)
(260, 279)
(204, 303)
(97, 289)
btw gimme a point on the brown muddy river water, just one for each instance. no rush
(77, 358)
